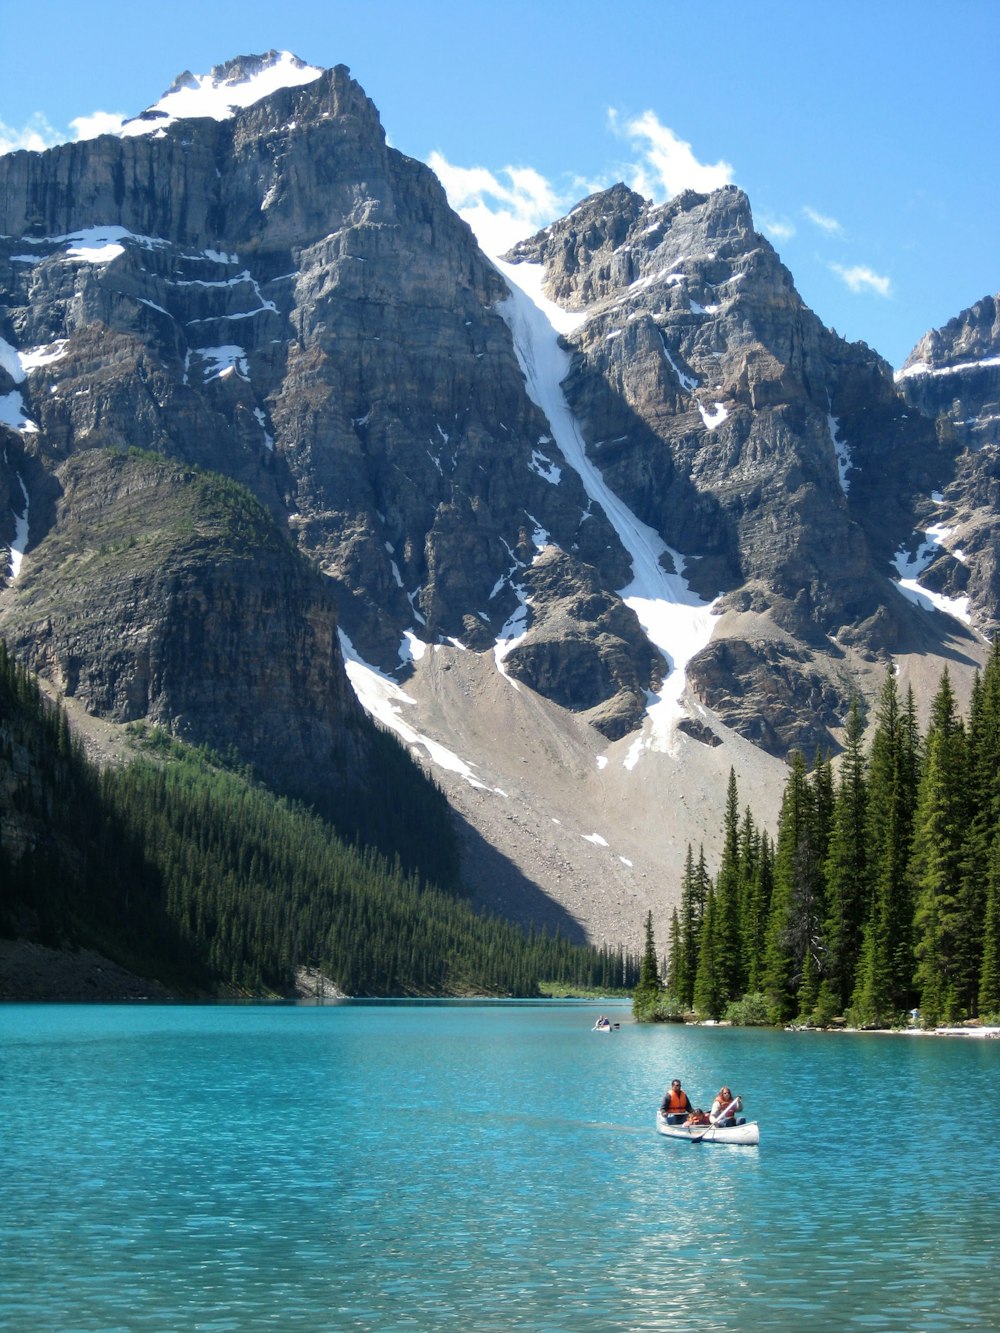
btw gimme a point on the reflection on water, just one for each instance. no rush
(483, 1167)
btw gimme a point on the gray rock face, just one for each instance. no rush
(953, 377)
(165, 594)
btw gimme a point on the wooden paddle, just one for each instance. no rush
(722, 1115)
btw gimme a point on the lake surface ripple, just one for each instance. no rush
(464, 1166)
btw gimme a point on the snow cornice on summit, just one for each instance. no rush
(228, 88)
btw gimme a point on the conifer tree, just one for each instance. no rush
(707, 998)
(989, 977)
(883, 982)
(675, 955)
(728, 949)
(647, 992)
(756, 909)
(846, 867)
(694, 891)
(785, 945)
(749, 853)
(983, 789)
(947, 982)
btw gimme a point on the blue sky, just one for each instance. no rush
(864, 131)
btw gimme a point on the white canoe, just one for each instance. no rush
(745, 1133)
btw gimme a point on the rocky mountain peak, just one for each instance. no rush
(236, 84)
(972, 335)
(615, 240)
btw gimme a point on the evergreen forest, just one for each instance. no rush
(183, 870)
(879, 895)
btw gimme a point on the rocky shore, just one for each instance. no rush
(33, 972)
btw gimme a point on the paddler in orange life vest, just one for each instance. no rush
(676, 1105)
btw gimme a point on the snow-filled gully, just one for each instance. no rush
(677, 621)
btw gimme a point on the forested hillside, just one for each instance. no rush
(181, 870)
(881, 891)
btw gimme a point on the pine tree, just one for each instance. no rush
(989, 977)
(946, 980)
(675, 955)
(707, 997)
(756, 909)
(883, 982)
(983, 789)
(728, 951)
(846, 868)
(694, 891)
(648, 991)
(787, 928)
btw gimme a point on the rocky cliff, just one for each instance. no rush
(953, 377)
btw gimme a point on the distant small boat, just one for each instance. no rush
(605, 1026)
(747, 1133)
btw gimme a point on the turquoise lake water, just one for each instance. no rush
(484, 1167)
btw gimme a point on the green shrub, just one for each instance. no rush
(752, 1011)
(657, 1008)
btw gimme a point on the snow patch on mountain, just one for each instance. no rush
(686, 381)
(227, 89)
(715, 417)
(674, 618)
(923, 368)
(223, 361)
(909, 567)
(12, 414)
(843, 453)
(19, 545)
(92, 245)
(385, 701)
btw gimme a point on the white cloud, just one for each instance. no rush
(35, 135)
(830, 225)
(99, 122)
(668, 164)
(778, 228)
(505, 206)
(862, 279)
(501, 208)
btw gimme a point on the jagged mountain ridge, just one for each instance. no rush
(280, 297)
(953, 377)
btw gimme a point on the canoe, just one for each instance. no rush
(745, 1133)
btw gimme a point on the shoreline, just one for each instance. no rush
(32, 973)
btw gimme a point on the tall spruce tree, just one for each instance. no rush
(647, 991)
(846, 869)
(792, 917)
(728, 944)
(983, 786)
(946, 976)
(694, 893)
(989, 976)
(883, 982)
(708, 991)
(675, 955)
(756, 909)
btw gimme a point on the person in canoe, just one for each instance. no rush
(676, 1104)
(725, 1107)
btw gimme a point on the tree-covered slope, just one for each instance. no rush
(189, 873)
